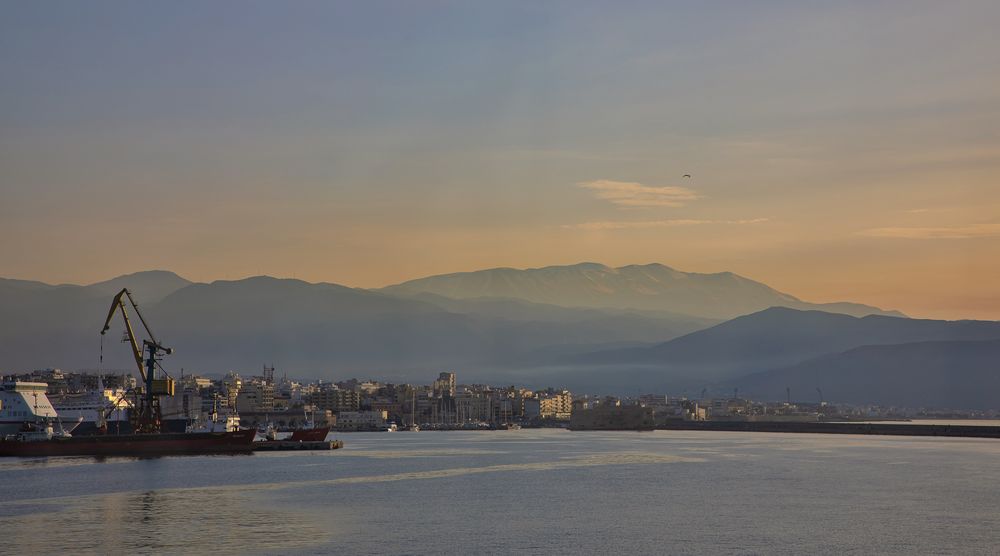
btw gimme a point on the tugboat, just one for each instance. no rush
(309, 431)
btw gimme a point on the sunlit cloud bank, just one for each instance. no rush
(623, 225)
(636, 195)
(944, 232)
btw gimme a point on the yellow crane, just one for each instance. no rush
(146, 416)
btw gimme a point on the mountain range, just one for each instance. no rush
(722, 295)
(647, 327)
(778, 337)
(318, 330)
(938, 374)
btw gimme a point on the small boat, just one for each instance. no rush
(268, 431)
(217, 421)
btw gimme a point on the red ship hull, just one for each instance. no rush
(134, 445)
(310, 435)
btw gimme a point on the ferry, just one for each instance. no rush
(22, 405)
(102, 411)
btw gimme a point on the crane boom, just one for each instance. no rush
(119, 304)
(148, 418)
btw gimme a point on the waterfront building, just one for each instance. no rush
(256, 395)
(445, 385)
(335, 399)
(557, 406)
(362, 420)
(532, 409)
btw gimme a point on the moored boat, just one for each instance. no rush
(137, 445)
(316, 434)
(23, 403)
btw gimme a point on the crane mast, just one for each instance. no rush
(147, 415)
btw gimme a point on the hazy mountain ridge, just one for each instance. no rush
(151, 285)
(653, 286)
(778, 337)
(938, 374)
(316, 329)
(332, 331)
(519, 309)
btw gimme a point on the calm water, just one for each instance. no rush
(528, 491)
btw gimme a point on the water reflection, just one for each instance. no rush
(170, 521)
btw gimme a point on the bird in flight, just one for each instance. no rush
(687, 175)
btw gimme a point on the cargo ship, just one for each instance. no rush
(47, 444)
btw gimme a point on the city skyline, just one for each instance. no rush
(837, 152)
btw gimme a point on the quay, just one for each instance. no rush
(291, 445)
(639, 418)
(890, 429)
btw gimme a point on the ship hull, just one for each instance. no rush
(318, 434)
(90, 428)
(133, 445)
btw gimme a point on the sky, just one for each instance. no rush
(837, 151)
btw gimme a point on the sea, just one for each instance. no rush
(529, 491)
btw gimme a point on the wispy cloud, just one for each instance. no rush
(944, 232)
(624, 225)
(636, 195)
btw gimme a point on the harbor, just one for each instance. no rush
(30, 425)
(559, 492)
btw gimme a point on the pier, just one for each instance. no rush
(292, 445)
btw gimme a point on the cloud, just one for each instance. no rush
(635, 195)
(611, 225)
(952, 232)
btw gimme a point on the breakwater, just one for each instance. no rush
(893, 429)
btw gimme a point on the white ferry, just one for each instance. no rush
(22, 405)
(96, 410)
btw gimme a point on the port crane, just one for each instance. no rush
(146, 416)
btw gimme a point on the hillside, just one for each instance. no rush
(779, 337)
(923, 374)
(648, 287)
(319, 330)
(331, 331)
(151, 285)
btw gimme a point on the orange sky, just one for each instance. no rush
(837, 152)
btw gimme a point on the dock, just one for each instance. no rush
(293, 445)
(887, 429)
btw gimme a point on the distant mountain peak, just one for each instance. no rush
(142, 274)
(653, 286)
(148, 285)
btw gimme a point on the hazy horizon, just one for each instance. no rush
(837, 152)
